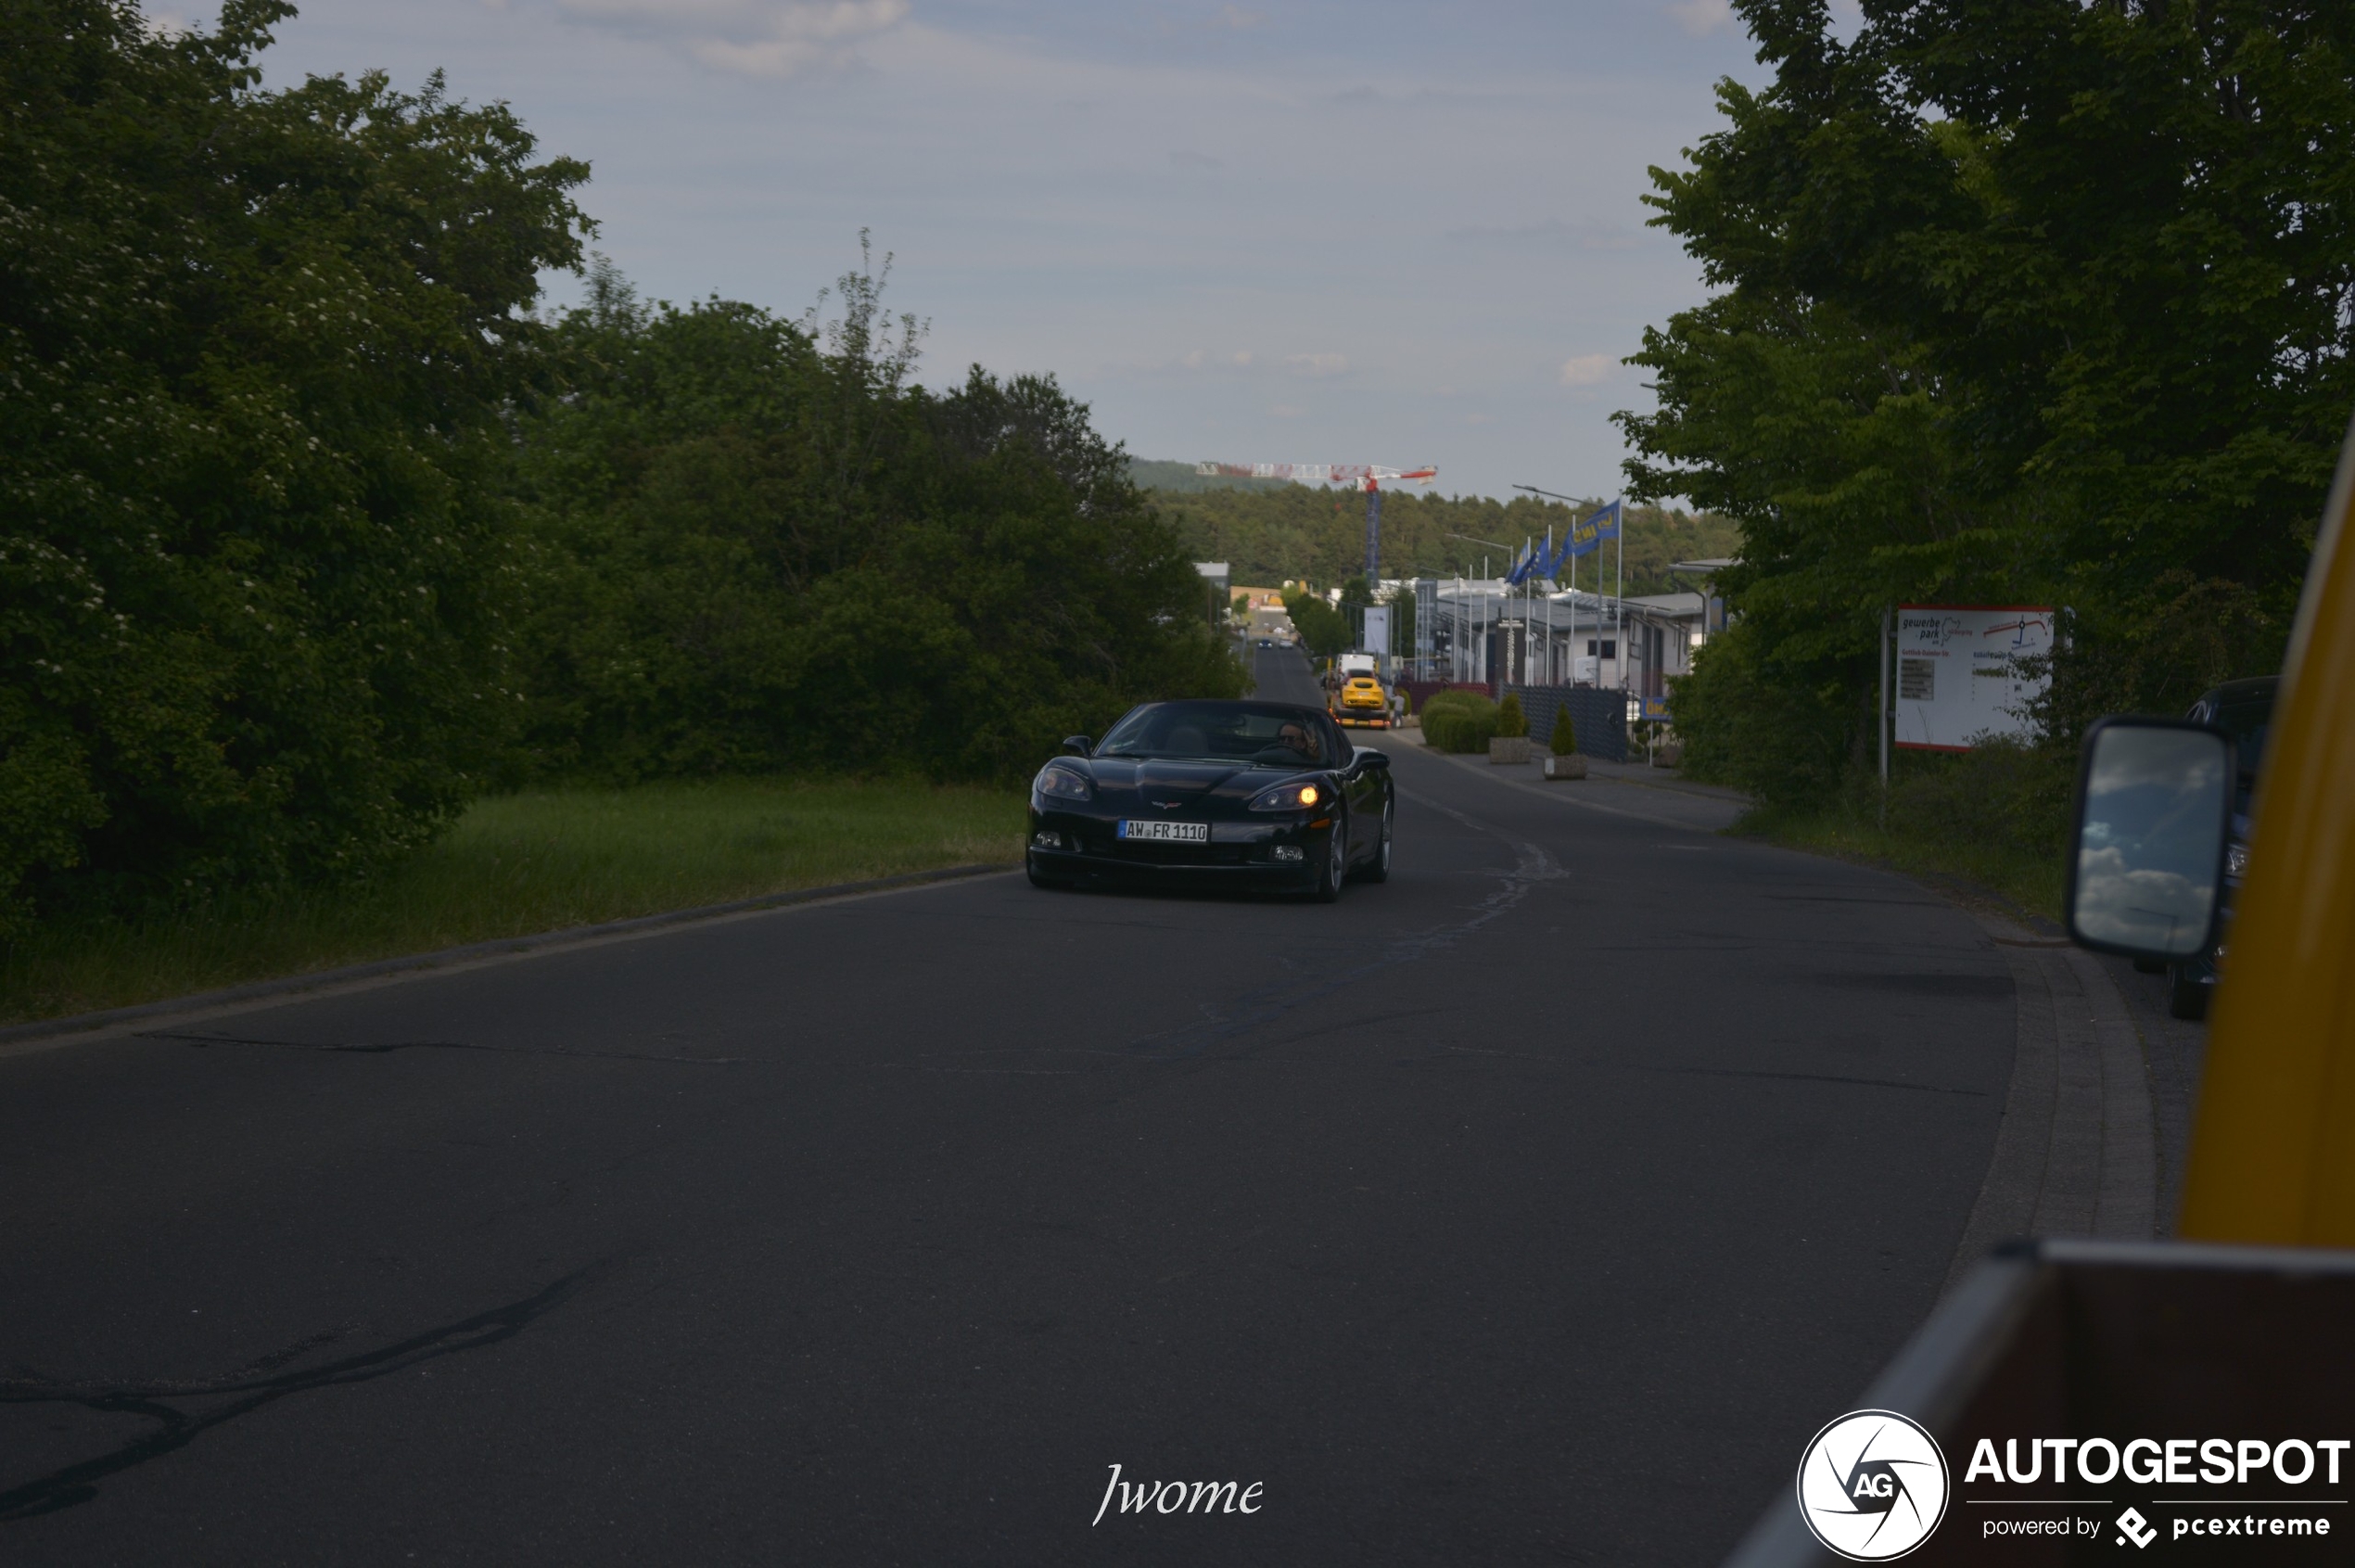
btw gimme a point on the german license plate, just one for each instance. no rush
(1166, 833)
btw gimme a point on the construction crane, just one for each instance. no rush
(1365, 475)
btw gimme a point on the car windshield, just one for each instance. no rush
(1220, 732)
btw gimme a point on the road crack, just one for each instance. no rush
(248, 1390)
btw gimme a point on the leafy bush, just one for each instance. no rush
(758, 547)
(1782, 733)
(253, 549)
(1565, 741)
(1510, 720)
(1458, 721)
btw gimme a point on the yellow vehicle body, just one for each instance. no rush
(2273, 1156)
(1362, 702)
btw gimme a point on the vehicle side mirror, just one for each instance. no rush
(1373, 759)
(1078, 745)
(2154, 815)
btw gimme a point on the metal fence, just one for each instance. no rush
(1599, 717)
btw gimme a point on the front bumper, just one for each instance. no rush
(1283, 851)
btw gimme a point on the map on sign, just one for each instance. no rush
(1958, 677)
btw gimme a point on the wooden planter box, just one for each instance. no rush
(1571, 767)
(1508, 748)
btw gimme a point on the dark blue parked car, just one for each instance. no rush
(2242, 709)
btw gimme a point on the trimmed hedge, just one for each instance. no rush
(1458, 721)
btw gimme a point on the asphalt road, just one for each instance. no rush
(1533, 1207)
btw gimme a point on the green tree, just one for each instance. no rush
(2024, 299)
(1323, 631)
(259, 351)
(758, 545)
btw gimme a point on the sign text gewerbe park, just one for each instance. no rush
(1957, 674)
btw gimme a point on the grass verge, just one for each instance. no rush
(523, 863)
(2022, 877)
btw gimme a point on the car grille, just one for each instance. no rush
(1173, 854)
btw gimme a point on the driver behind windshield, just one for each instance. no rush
(1185, 730)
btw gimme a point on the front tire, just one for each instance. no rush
(2187, 997)
(1333, 869)
(1378, 869)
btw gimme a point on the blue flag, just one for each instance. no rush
(1523, 565)
(1586, 536)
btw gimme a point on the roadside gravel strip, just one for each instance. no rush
(45, 1033)
(2078, 1152)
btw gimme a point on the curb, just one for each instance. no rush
(2077, 1150)
(497, 946)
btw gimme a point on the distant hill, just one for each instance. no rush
(1271, 529)
(1180, 478)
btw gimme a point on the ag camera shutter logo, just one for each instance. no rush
(1872, 1486)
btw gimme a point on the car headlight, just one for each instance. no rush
(1061, 784)
(2236, 860)
(1290, 797)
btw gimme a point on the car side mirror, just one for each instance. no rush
(1373, 759)
(1078, 745)
(2154, 816)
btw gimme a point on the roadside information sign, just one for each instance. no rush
(1957, 679)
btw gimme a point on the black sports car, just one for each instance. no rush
(1246, 793)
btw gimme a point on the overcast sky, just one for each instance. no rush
(1391, 231)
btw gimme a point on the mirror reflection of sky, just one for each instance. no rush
(1390, 231)
(2147, 851)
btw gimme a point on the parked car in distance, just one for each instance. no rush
(2243, 709)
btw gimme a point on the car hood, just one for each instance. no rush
(1161, 785)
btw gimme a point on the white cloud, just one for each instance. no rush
(1698, 18)
(772, 38)
(1586, 370)
(1317, 365)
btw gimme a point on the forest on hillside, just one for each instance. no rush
(1180, 478)
(1312, 532)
